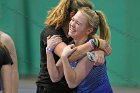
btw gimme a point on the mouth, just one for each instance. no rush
(72, 30)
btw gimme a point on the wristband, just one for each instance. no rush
(98, 43)
(90, 41)
(94, 43)
(49, 49)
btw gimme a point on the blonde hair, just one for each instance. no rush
(58, 15)
(97, 19)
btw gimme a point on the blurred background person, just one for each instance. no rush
(9, 73)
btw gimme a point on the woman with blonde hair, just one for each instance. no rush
(82, 74)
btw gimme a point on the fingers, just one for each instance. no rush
(54, 37)
(48, 37)
(108, 49)
(54, 40)
(99, 57)
(68, 50)
(97, 62)
(100, 61)
(72, 46)
(105, 46)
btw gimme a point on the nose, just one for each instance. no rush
(72, 23)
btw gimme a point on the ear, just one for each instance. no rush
(89, 30)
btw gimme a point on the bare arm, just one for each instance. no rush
(55, 70)
(81, 50)
(79, 53)
(8, 42)
(75, 76)
(6, 78)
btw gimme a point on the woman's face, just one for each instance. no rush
(78, 26)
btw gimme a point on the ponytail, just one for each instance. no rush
(104, 28)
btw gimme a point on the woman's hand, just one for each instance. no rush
(68, 50)
(52, 41)
(105, 46)
(99, 57)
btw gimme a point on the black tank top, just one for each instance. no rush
(5, 57)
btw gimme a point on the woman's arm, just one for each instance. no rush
(79, 53)
(8, 42)
(55, 70)
(6, 73)
(75, 76)
(82, 49)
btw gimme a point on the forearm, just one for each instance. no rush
(15, 75)
(79, 53)
(15, 80)
(70, 74)
(6, 78)
(81, 50)
(59, 48)
(52, 69)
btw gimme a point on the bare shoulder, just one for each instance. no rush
(6, 39)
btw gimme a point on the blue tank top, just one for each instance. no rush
(96, 81)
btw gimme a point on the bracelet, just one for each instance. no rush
(98, 43)
(94, 43)
(49, 49)
(90, 41)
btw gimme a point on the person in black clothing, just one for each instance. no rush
(5, 69)
(57, 23)
(8, 49)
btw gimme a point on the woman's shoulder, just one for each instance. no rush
(5, 37)
(7, 41)
(49, 30)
